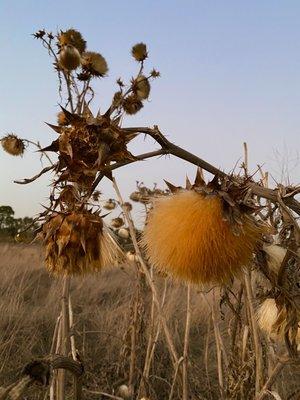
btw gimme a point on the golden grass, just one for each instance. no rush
(187, 237)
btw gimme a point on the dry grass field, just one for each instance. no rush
(30, 304)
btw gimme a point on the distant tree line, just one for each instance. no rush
(21, 229)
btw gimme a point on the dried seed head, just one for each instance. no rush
(187, 237)
(132, 104)
(117, 222)
(123, 233)
(127, 206)
(135, 196)
(141, 87)
(117, 99)
(62, 119)
(69, 58)
(139, 52)
(94, 63)
(74, 38)
(77, 244)
(110, 204)
(96, 195)
(124, 392)
(131, 256)
(13, 145)
(268, 316)
(154, 73)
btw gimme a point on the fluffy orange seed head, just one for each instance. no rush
(187, 237)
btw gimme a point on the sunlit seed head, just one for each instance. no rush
(132, 104)
(94, 63)
(74, 38)
(13, 145)
(69, 58)
(141, 87)
(139, 52)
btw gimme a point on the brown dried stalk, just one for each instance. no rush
(65, 337)
(255, 334)
(168, 336)
(185, 393)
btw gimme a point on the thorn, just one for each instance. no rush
(56, 128)
(199, 181)
(73, 119)
(172, 188)
(188, 184)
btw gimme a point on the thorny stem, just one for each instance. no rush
(169, 148)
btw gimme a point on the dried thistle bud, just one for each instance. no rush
(132, 104)
(94, 63)
(154, 73)
(135, 196)
(110, 204)
(39, 34)
(127, 206)
(96, 195)
(83, 76)
(117, 99)
(139, 52)
(62, 119)
(77, 244)
(131, 256)
(73, 38)
(120, 82)
(141, 87)
(124, 391)
(123, 233)
(13, 145)
(117, 222)
(69, 58)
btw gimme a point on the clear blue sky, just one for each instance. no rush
(229, 74)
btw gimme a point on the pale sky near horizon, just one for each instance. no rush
(229, 74)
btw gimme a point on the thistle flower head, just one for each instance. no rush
(94, 63)
(76, 244)
(132, 104)
(72, 37)
(13, 145)
(69, 58)
(141, 87)
(193, 235)
(139, 52)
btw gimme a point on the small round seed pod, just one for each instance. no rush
(275, 256)
(267, 316)
(127, 206)
(117, 222)
(13, 145)
(132, 104)
(123, 233)
(74, 38)
(62, 119)
(139, 52)
(94, 63)
(110, 204)
(141, 87)
(69, 58)
(131, 256)
(124, 391)
(135, 196)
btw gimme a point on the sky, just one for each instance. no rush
(229, 74)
